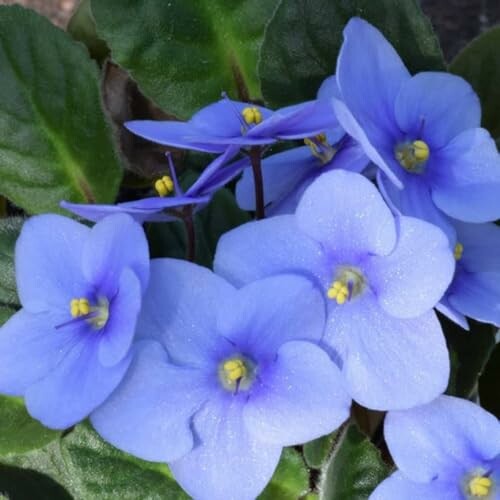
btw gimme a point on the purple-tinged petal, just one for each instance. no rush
(228, 461)
(441, 438)
(267, 247)
(48, 262)
(180, 309)
(344, 211)
(329, 89)
(415, 200)
(387, 363)
(30, 347)
(476, 295)
(436, 107)
(116, 337)
(299, 397)
(149, 414)
(444, 307)
(76, 387)
(268, 312)
(171, 133)
(412, 279)
(466, 177)
(115, 243)
(398, 487)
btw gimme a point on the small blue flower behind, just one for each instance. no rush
(68, 348)
(224, 379)
(446, 450)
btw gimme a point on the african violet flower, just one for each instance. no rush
(227, 122)
(224, 378)
(446, 450)
(475, 289)
(165, 207)
(422, 131)
(68, 348)
(380, 278)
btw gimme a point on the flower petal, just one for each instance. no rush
(115, 243)
(412, 279)
(48, 262)
(466, 181)
(228, 461)
(445, 308)
(387, 363)
(444, 436)
(267, 247)
(344, 211)
(436, 107)
(149, 414)
(300, 397)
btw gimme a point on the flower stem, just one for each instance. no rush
(258, 182)
(190, 235)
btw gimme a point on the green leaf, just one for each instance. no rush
(303, 39)
(9, 231)
(469, 353)
(479, 64)
(90, 468)
(55, 141)
(290, 480)
(317, 451)
(20, 433)
(354, 469)
(488, 384)
(184, 53)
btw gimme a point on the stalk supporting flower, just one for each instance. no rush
(255, 158)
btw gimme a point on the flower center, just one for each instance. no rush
(236, 373)
(349, 282)
(458, 251)
(252, 115)
(164, 186)
(97, 315)
(479, 486)
(320, 148)
(412, 155)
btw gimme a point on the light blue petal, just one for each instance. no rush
(76, 387)
(30, 347)
(149, 414)
(115, 243)
(398, 487)
(180, 310)
(444, 307)
(116, 337)
(48, 262)
(329, 89)
(300, 397)
(466, 181)
(436, 107)
(387, 362)
(228, 461)
(267, 247)
(271, 311)
(441, 438)
(344, 211)
(411, 280)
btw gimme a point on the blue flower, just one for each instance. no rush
(224, 378)
(475, 289)
(68, 348)
(170, 201)
(422, 131)
(446, 450)
(380, 278)
(227, 122)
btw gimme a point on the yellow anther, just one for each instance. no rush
(234, 369)
(411, 156)
(100, 312)
(79, 307)
(164, 186)
(458, 251)
(480, 486)
(339, 292)
(252, 115)
(421, 151)
(320, 148)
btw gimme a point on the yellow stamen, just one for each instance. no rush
(252, 115)
(339, 292)
(79, 307)
(320, 148)
(458, 251)
(421, 151)
(82, 307)
(234, 369)
(164, 186)
(349, 282)
(480, 486)
(411, 156)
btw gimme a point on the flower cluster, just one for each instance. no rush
(383, 215)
